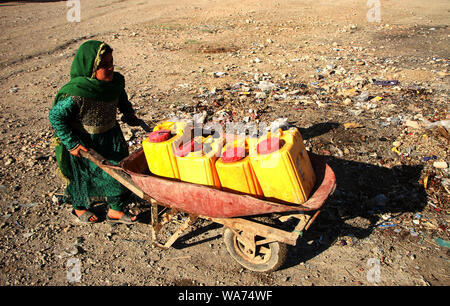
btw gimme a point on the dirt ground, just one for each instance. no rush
(388, 145)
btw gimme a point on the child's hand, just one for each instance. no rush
(76, 150)
(131, 120)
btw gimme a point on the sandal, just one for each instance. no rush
(85, 217)
(125, 219)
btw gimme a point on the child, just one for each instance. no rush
(83, 116)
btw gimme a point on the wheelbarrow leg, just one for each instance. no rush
(157, 224)
(189, 221)
(154, 221)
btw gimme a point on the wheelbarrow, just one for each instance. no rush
(253, 236)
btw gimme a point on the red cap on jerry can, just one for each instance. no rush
(268, 145)
(188, 147)
(159, 136)
(233, 154)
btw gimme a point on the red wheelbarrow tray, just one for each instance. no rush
(211, 202)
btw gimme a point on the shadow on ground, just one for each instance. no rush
(365, 191)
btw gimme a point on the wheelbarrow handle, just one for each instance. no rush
(115, 171)
(97, 159)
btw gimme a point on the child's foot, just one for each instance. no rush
(85, 215)
(120, 217)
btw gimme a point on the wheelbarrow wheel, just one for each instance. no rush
(265, 258)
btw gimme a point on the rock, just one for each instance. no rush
(71, 251)
(9, 161)
(57, 199)
(219, 74)
(378, 251)
(363, 97)
(440, 165)
(260, 95)
(266, 86)
(347, 101)
(412, 124)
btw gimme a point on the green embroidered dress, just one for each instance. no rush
(84, 112)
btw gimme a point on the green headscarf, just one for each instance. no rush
(82, 75)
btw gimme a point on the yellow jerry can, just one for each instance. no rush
(235, 171)
(196, 160)
(282, 166)
(158, 149)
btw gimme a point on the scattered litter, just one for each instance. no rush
(428, 158)
(29, 205)
(27, 235)
(219, 74)
(384, 225)
(376, 99)
(280, 123)
(394, 149)
(14, 90)
(440, 165)
(430, 125)
(445, 182)
(386, 216)
(412, 124)
(434, 207)
(58, 199)
(363, 97)
(385, 83)
(413, 233)
(352, 125)
(442, 242)
(266, 86)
